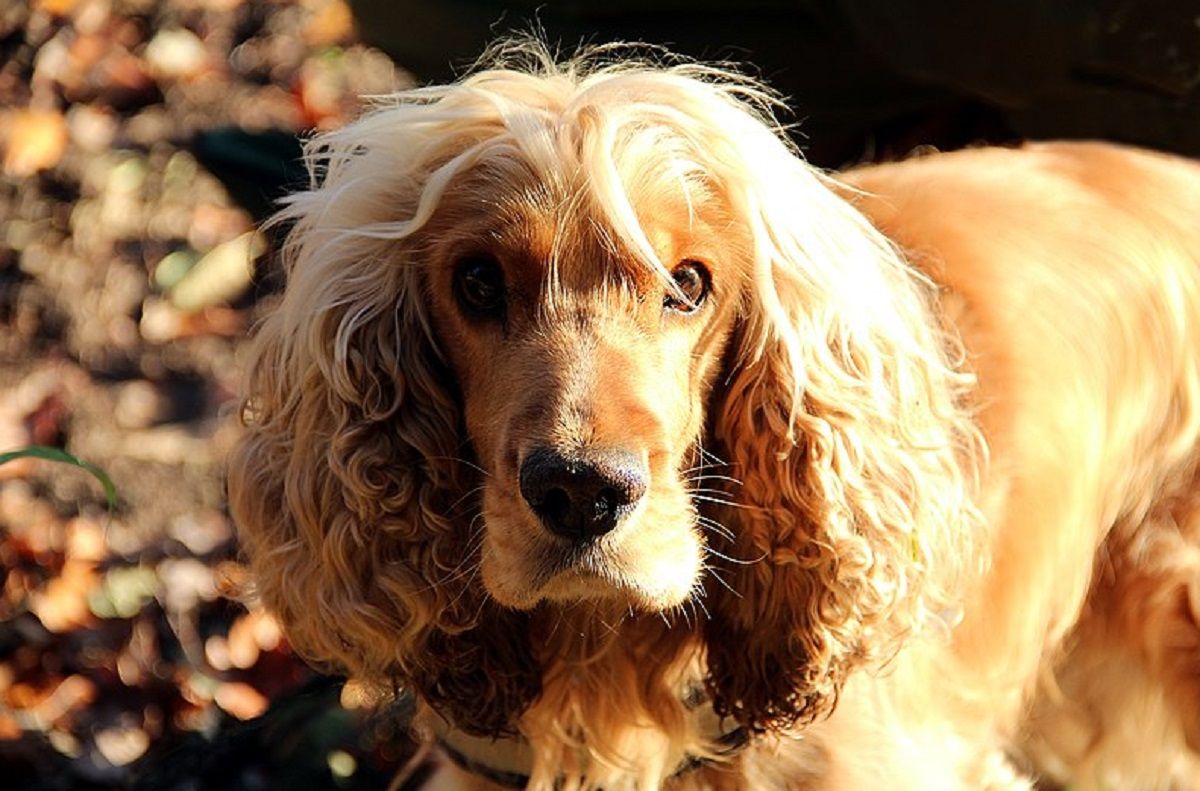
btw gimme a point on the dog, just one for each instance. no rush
(644, 454)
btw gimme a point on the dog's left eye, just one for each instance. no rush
(693, 281)
(479, 284)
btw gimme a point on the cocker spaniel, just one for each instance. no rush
(646, 455)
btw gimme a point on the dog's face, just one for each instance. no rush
(520, 311)
(584, 374)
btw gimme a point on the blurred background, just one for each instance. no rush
(141, 143)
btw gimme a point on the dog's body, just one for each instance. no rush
(1072, 272)
(864, 595)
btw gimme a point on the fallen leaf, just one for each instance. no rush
(85, 540)
(91, 128)
(197, 688)
(36, 141)
(242, 642)
(172, 268)
(214, 225)
(176, 54)
(241, 700)
(140, 404)
(341, 764)
(267, 631)
(139, 655)
(63, 604)
(42, 707)
(331, 22)
(216, 653)
(201, 532)
(123, 592)
(163, 322)
(221, 275)
(34, 524)
(64, 742)
(122, 745)
(9, 729)
(56, 7)
(185, 582)
(125, 81)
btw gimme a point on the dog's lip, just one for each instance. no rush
(565, 572)
(561, 574)
(592, 559)
(527, 564)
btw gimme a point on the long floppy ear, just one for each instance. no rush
(349, 487)
(841, 416)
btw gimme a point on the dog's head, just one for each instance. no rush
(593, 332)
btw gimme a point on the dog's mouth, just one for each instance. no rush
(584, 560)
(651, 562)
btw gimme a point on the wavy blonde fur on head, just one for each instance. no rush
(838, 408)
(843, 419)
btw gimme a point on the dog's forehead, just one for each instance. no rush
(544, 224)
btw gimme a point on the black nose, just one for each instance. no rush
(582, 497)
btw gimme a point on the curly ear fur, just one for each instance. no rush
(842, 418)
(347, 486)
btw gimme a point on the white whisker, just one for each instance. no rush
(462, 461)
(737, 561)
(713, 571)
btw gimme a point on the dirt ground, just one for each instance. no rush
(137, 137)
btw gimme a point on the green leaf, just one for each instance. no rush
(60, 455)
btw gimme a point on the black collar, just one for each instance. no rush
(729, 743)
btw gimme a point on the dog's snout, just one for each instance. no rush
(582, 497)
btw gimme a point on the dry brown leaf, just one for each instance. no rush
(56, 7)
(176, 53)
(222, 274)
(220, 5)
(214, 225)
(23, 695)
(242, 643)
(331, 22)
(267, 632)
(241, 700)
(85, 540)
(122, 744)
(42, 706)
(36, 141)
(139, 655)
(34, 525)
(63, 604)
(195, 688)
(91, 128)
(9, 729)
(163, 322)
(186, 582)
(216, 653)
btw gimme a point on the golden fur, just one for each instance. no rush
(826, 546)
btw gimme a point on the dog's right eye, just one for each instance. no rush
(479, 285)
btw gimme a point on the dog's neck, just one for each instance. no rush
(618, 690)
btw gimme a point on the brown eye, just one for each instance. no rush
(479, 286)
(693, 281)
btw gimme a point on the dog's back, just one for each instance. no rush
(1072, 271)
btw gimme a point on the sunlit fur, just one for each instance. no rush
(825, 546)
